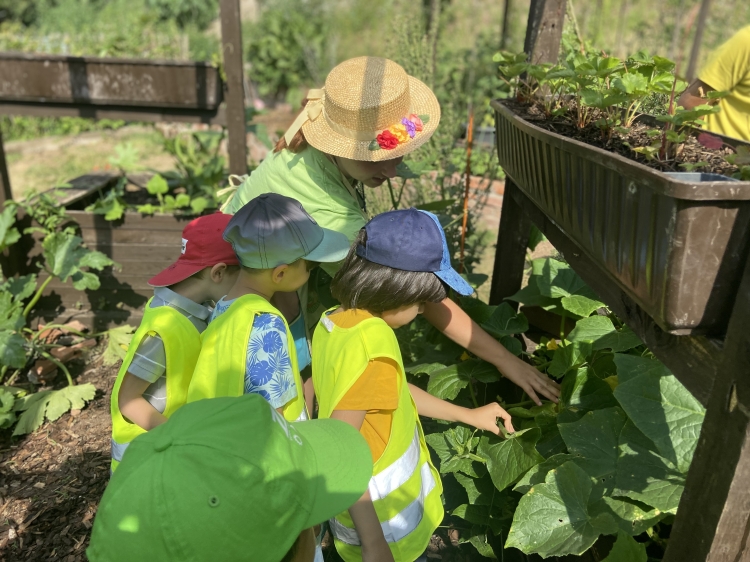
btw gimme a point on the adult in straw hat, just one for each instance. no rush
(350, 135)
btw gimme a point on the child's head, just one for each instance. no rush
(198, 488)
(207, 264)
(399, 261)
(278, 243)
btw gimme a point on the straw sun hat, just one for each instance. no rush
(370, 110)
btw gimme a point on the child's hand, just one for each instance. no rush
(485, 417)
(530, 380)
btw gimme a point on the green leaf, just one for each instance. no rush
(6, 401)
(508, 459)
(94, 259)
(7, 419)
(580, 305)
(126, 157)
(435, 206)
(148, 209)
(629, 367)
(157, 185)
(633, 84)
(571, 356)
(12, 349)
(594, 441)
(57, 405)
(505, 322)
(118, 340)
(477, 310)
(629, 515)
(9, 235)
(626, 549)
(481, 491)
(663, 409)
(424, 368)
(537, 474)
(453, 447)
(552, 519)
(84, 280)
(584, 391)
(25, 402)
(535, 238)
(511, 344)
(591, 329)
(621, 340)
(447, 382)
(198, 205)
(182, 200)
(33, 413)
(70, 397)
(644, 475)
(22, 287)
(425, 118)
(373, 145)
(11, 312)
(113, 210)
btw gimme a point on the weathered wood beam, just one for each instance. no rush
(693, 360)
(231, 46)
(544, 30)
(125, 113)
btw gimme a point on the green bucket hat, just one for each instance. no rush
(227, 479)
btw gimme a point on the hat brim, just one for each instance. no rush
(451, 278)
(320, 135)
(339, 465)
(178, 271)
(332, 248)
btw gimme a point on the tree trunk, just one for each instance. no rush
(504, 39)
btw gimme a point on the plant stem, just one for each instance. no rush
(473, 395)
(469, 145)
(60, 366)
(520, 404)
(563, 316)
(37, 295)
(394, 202)
(3, 371)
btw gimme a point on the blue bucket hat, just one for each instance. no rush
(411, 240)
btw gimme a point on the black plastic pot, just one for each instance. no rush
(676, 246)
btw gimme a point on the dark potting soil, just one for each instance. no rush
(691, 151)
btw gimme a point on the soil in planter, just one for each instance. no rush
(691, 152)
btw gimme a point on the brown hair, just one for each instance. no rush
(376, 288)
(298, 144)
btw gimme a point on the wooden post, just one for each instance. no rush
(713, 515)
(231, 45)
(506, 24)
(510, 253)
(5, 193)
(544, 30)
(695, 51)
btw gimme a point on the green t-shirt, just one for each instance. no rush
(313, 180)
(729, 69)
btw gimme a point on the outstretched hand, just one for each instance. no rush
(485, 417)
(531, 381)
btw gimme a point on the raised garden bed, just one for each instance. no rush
(676, 247)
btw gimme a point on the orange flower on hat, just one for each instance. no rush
(399, 131)
(418, 123)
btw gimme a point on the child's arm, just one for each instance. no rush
(374, 546)
(134, 406)
(448, 317)
(484, 417)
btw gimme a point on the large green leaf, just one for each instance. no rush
(454, 447)
(582, 390)
(446, 383)
(12, 349)
(157, 185)
(538, 473)
(11, 312)
(8, 233)
(557, 279)
(580, 305)
(626, 549)
(505, 322)
(63, 253)
(424, 368)
(631, 366)
(621, 340)
(507, 459)
(553, 519)
(630, 517)
(644, 475)
(6, 401)
(594, 441)
(477, 310)
(665, 412)
(70, 397)
(530, 295)
(33, 415)
(481, 491)
(118, 340)
(571, 356)
(591, 329)
(22, 287)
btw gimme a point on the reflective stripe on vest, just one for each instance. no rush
(398, 526)
(397, 473)
(118, 450)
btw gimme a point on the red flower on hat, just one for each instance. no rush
(418, 124)
(387, 140)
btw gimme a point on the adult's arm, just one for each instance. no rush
(695, 95)
(448, 317)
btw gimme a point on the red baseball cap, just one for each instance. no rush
(203, 246)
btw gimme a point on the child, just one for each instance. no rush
(198, 489)
(248, 347)
(399, 261)
(154, 377)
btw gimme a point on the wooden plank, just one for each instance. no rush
(510, 253)
(118, 112)
(693, 360)
(231, 46)
(80, 187)
(5, 192)
(544, 30)
(697, 40)
(712, 521)
(108, 81)
(131, 221)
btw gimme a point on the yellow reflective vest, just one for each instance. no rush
(405, 487)
(220, 370)
(182, 343)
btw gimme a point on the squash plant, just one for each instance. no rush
(609, 459)
(64, 257)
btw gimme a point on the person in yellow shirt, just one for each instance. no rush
(728, 70)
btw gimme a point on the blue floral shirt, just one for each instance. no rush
(268, 366)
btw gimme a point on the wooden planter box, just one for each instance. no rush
(143, 245)
(677, 248)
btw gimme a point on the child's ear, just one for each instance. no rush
(217, 272)
(278, 273)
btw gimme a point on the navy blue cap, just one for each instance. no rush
(411, 240)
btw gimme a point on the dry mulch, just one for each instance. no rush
(51, 481)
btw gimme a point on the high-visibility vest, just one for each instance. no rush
(182, 343)
(405, 487)
(220, 370)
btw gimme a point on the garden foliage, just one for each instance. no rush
(609, 459)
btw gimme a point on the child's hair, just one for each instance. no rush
(377, 288)
(298, 144)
